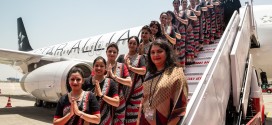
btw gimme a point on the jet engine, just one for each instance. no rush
(49, 82)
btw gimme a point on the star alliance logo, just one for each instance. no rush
(21, 38)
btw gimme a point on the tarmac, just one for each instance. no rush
(23, 111)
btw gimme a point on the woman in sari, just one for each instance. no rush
(145, 40)
(165, 88)
(181, 43)
(155, 28)
(168, 32)
(212, 21)
(119, 73)
(78, 106)
(105, 90)
(196, 24)
(190, 45)
(137, 70)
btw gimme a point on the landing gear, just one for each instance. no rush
(45, 104)
(49, 104)
(38, 103)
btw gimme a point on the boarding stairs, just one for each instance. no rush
(216, 80)
(195, 71)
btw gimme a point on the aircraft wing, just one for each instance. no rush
(18, 59)
(23, 59)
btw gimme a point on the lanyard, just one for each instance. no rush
(152, 95)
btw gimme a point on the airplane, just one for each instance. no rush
(46, 68)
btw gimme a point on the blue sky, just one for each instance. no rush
(55, 21)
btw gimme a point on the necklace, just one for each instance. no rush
(76, 97)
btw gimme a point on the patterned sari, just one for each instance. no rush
(180, 44)
(190, 38)
(134, 94)
(196, 27)
(88, 104)
(165, 97)
(119, 112)
(105, 108)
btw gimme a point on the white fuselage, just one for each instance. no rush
(90, 48)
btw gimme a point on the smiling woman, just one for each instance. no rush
(78, 106)
(164, 79)
(105, 90)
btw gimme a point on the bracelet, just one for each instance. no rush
(102, 96)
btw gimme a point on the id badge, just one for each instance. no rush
(149, 113)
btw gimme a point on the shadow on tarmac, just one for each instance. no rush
(268, 121)
(38, 113)
(21, 97)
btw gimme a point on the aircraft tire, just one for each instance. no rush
(38, 103)
(54, 105)
(46, 104)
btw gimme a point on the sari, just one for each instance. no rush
(134, 94)
(165, 97)
(181, 43)
(88, 104)
(119, 113)
(108, 88)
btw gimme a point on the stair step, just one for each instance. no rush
(216, 41)
(190, 94)
(193, 78)
(202, 61)
(210, 46)
(208, 53)
(192, 87)
(194, 72)
(195, 69)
